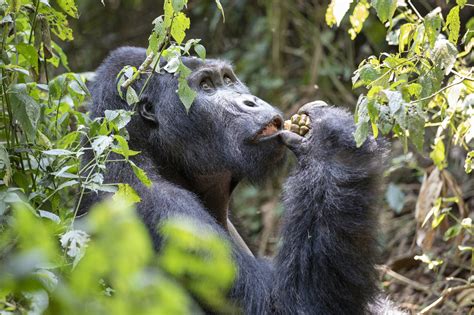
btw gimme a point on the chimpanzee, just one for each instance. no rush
(195, 159)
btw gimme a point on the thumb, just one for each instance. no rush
(293, 141)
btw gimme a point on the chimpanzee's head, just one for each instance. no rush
(227, 129)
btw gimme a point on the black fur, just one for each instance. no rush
(326, 262)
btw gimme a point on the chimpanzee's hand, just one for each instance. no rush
(326, 133)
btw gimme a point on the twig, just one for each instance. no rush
(446, 293)
(403, 279)
(143, 67)
(416, 11)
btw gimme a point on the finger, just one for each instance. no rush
(306, 107)
(293, 141)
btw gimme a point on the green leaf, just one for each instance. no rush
(25, 110)
(407, 31)
(365, 75)
(219, 6)
(395, 100)
(58, 152)
(416, 127)
(58, 23)
(141, 175)
(413, 89)
(157, 37)
(433, 25)
(444, 54)
(5, 164)
(101, 143)
(385, 9)
(362, 118)
(336, 11)
(438, 155)
(132, 96)
(185, 93)
(178, 5)
(437, 220)
(453, 24)
(431, 81)
(453, 231)
(123, 148)
(358, 17)
(461, 3)
(126, 192)
(119, 118)
(180, 24)
(200, 50)
(469, 163)
(69, 7)
(29, 53)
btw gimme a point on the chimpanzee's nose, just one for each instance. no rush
(250, 102)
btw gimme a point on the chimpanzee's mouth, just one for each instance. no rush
(270, 130)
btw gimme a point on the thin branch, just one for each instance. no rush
(404, 279)
(446, 293)
(416, 11)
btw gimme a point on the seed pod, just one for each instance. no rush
(305, 121)
(287, 125)
(302, 119)
(303, 130)
(295, 128)
(295, 118)
(45, 36)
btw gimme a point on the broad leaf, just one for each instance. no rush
(25, 110)
(141, 175)
(433, 25)
(385, 9)
(453, 24)
(180, 24)
(336, 11)
(69, 7)
(444, 54)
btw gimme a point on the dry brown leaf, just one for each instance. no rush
(430, 190)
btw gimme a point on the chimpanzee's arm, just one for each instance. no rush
(326, 261)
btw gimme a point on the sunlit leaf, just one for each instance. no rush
(221, 9)
(180, 24)
(141, 175)
(453, 24)
(438, 154)
(200, 50)
(433, 25)
(384, 8)
(336, 11)
(69, 7)
(126, 192)
(358, 17)
(185, 93)
(444, 54)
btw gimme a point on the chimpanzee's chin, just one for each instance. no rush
(265, 164)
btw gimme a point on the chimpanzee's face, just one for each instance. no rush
(226, 129)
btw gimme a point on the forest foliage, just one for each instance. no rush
(52, 262)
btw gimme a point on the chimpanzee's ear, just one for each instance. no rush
(146, 111)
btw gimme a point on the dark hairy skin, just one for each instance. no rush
(325, 264)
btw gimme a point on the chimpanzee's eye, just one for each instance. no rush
(228, 80)
(206, 84)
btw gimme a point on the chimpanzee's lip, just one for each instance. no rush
(270, 130)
